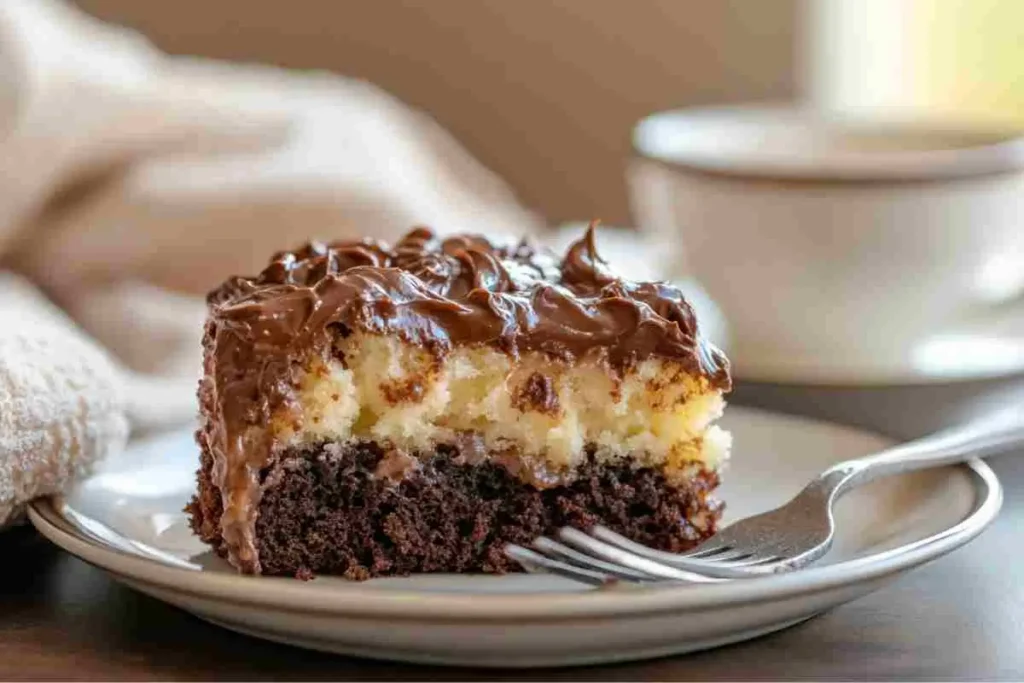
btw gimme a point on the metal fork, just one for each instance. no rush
(780, 540)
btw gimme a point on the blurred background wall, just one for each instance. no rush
(545, 92)
(953, 63)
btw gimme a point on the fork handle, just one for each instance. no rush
(977, 438)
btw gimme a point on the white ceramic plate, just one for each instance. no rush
(127, 520)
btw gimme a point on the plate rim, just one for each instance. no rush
(287, 594)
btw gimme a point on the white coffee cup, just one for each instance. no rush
(838, 253)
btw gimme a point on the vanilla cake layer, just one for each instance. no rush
(543, 411)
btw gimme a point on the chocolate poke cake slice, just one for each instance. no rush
(372, 410)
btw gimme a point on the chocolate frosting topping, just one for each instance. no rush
(462, 290)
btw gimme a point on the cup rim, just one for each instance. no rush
(729, 140)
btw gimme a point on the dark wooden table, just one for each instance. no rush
(960, 617)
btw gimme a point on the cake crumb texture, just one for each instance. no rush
(326, 513)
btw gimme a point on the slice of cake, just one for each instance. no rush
(371, 410)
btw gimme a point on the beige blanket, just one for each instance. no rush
(132, 182)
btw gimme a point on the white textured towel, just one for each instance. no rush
(61, 399)
(133, 182)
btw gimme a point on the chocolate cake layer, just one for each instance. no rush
(359, 512)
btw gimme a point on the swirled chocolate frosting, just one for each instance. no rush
(463, 290)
